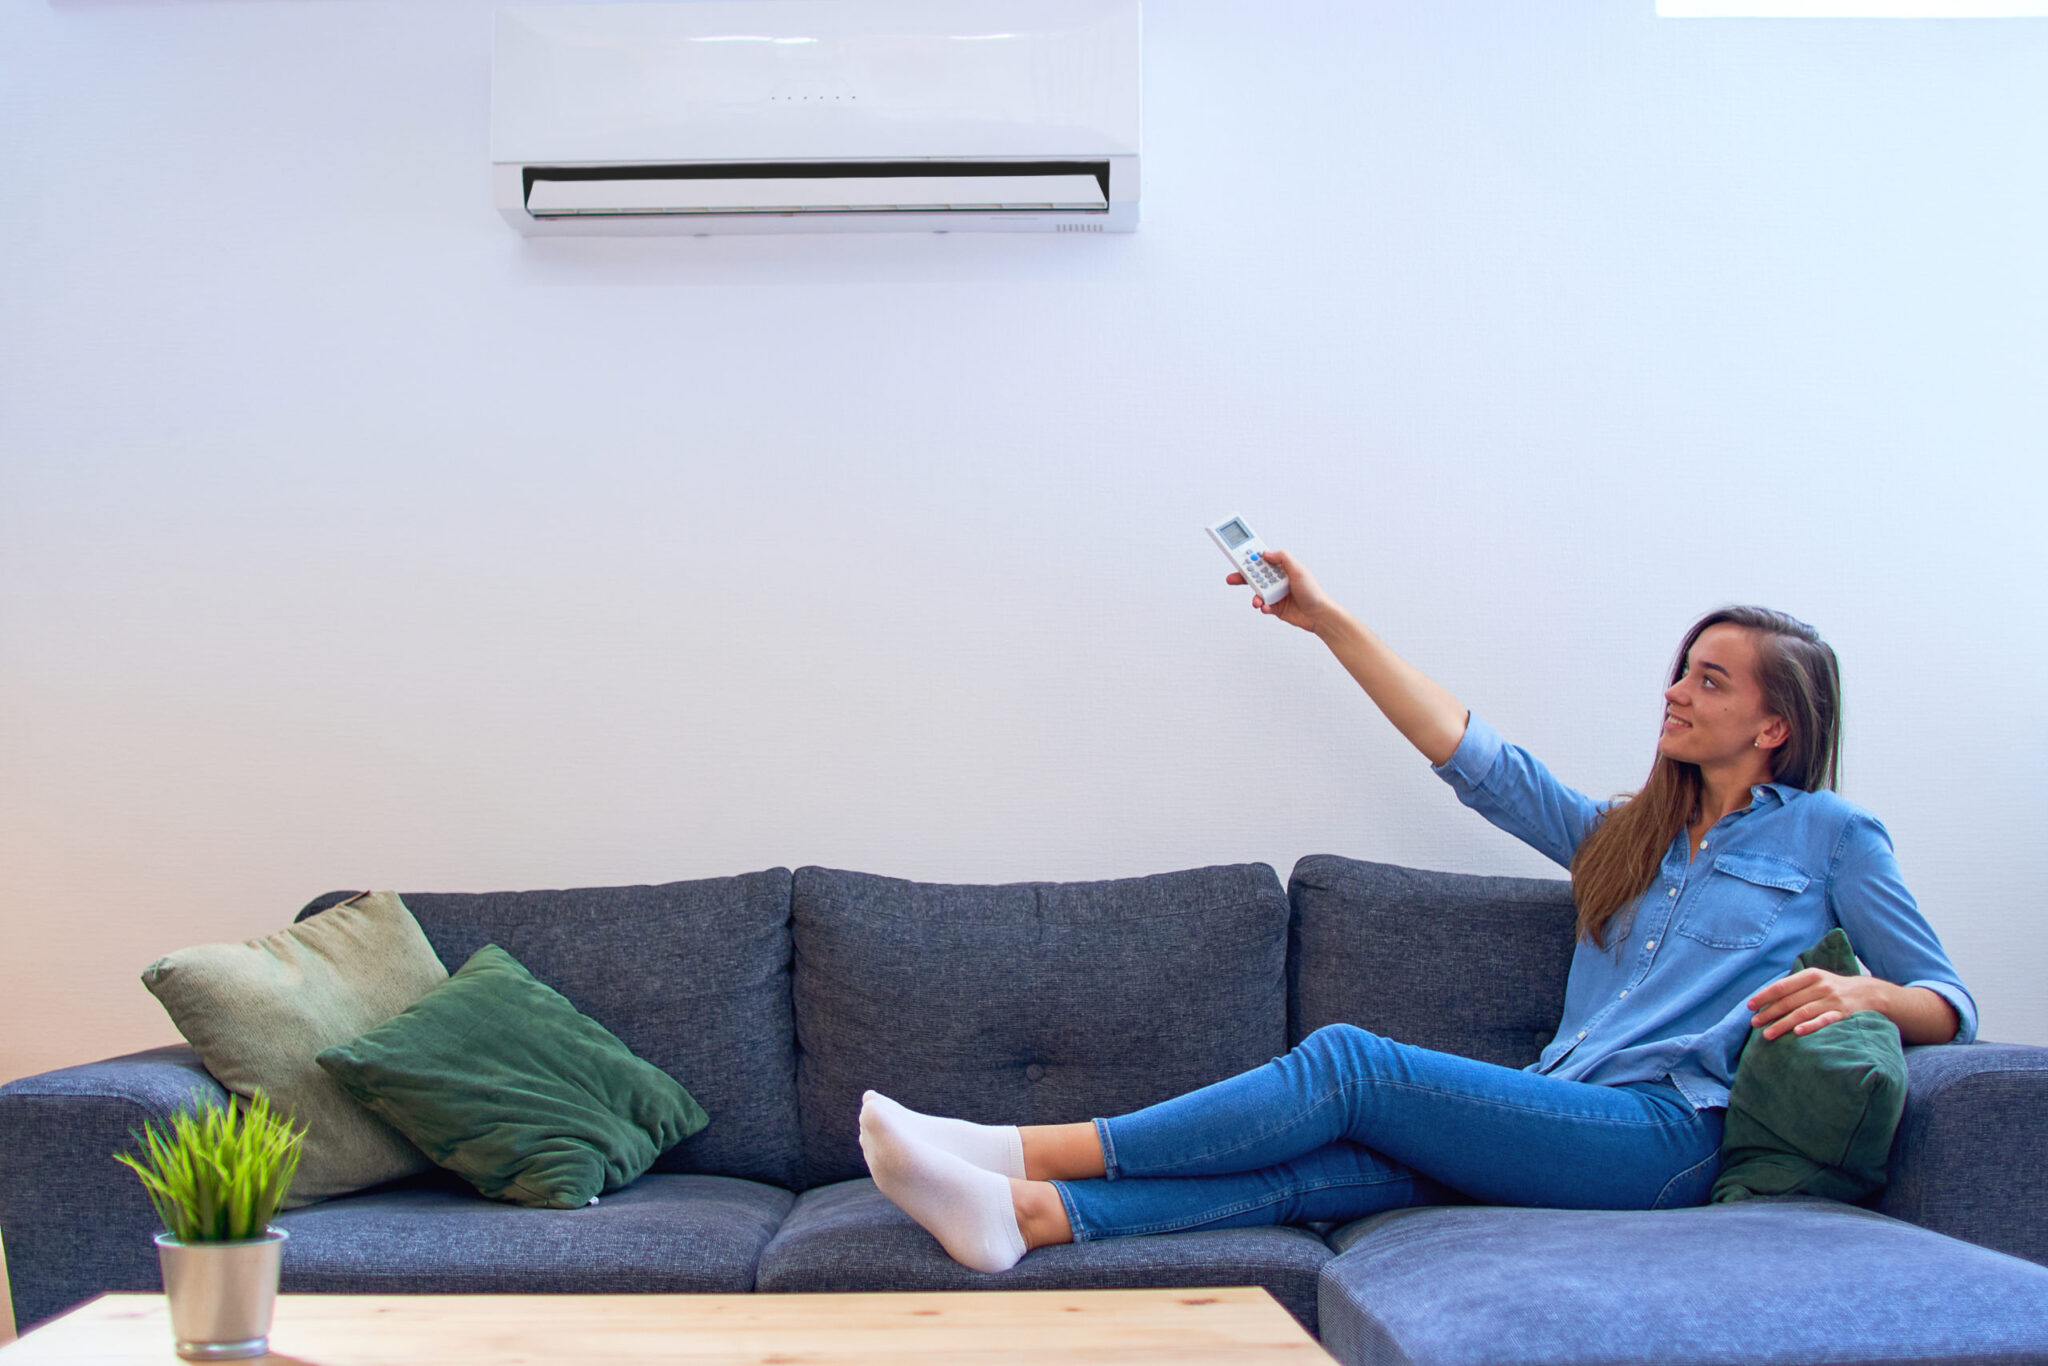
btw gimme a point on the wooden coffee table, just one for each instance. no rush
(1065, 1327)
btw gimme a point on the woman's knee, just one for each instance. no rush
(1340, 1040)
(1342, 1034)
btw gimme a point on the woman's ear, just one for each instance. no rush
(1774, 733)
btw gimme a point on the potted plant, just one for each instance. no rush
(217, 1177)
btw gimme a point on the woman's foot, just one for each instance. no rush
(992, 1147)
(970, 1211)
(1039, 1152)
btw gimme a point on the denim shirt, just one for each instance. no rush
(1668, 997)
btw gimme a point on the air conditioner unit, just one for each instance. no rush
(723, 116)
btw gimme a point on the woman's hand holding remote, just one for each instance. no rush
(1420, 707)
(1305, 604)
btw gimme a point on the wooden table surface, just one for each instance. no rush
(1071, 1327)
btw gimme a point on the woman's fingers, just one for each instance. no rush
(1790, 986)
(1280, 560)
(1809, 1016)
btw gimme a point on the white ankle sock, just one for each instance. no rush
(997, 1148)
(967, 1209)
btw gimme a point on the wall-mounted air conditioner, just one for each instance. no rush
(817, 115)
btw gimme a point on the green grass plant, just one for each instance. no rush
(218, 1174)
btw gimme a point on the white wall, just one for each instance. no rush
(347, 539)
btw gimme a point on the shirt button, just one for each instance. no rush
(1674, 891)
(1651, 945)
(1703, 844)
(1582, 1033)
(1624, 993)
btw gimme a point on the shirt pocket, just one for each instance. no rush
(1741, 900)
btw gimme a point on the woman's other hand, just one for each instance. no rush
(1306, 605)
(1814, 998)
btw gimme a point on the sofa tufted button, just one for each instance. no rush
(1034, 1073)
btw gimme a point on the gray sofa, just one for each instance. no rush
(776, 998)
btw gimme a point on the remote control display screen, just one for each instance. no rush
(1234, 534)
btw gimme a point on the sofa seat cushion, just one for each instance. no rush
(1027, 1003)
(849, 1237)
(698, 1234)
(1792, 1279)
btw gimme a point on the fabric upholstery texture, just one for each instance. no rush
(1971, 1156)
(849, 1237)
(665, 1234)
(1815, 1113)
(257, 1013)
(692, 976)
(1027, 1003)
(1792, 1279)
(1463, 964)
(76, 1222)
(495, 1076)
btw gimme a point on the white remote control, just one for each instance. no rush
(1247, 553)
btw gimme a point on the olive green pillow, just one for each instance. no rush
(1814, 1114)
(256, 1012)
(495, 1076)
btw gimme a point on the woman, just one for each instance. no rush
(1695, 896)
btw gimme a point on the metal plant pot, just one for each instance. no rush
(221, 1294)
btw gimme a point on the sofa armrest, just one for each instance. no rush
(1971, 1156)
(75, 1221)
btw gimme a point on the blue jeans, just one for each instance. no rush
(1350, 1123)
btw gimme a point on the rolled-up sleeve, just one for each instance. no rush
(1506, 784)
(1870, 901)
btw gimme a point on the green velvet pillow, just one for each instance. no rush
(1814, 1114)
(495, 1076)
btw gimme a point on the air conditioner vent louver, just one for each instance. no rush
(818, 187)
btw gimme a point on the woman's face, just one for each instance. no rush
(1714, 714)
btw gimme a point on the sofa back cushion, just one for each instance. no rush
(691, 976)
(1028, 1003)
(1451, 961)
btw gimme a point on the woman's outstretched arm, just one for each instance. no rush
(1420, 707)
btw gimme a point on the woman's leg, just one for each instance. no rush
(1252, 1149)
(1071, 1152)
(1500, 1135)
(1338, 1183)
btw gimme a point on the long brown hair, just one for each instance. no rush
(1801, 681)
